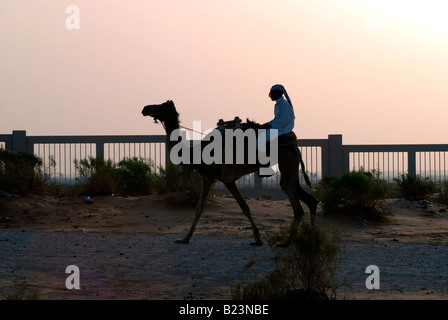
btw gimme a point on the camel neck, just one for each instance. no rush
(170, 126)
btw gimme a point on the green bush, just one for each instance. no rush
(359, 193)
(172, 178)
(414, 187)
(136, 176)
(22, 172)
(304, 270)
(131, 176)
(443, 195)
(98, 176)
(18, 171)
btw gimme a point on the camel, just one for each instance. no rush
(289, 158)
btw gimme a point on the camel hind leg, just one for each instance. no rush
(295, 193)
(310, 201)
(206, 185)
(290, 184)
(231, 186)
(290, 189)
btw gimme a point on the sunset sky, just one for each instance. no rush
(375, 71)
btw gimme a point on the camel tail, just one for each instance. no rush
(305, 175)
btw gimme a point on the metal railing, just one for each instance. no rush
(60, 153)
(322, 157)
(391, 161)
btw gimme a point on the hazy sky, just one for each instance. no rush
(375, 71)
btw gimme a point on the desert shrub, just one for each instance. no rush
(414, 187)
(304, 270)
(359, 193)
(443, 194)
(136, 176)
(18, 171)
(21, 172)
(97, 176)
(172, 178)
(131, 176)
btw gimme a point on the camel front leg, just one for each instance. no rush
(206, 184)
(231, 186)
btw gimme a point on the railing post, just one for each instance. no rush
(8, 143)
(99, 148)
(167, 155)
(412, 171)
(19, 140)
(335, 154)
(258, 184)
(325, 160)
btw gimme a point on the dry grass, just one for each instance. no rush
(304, 270)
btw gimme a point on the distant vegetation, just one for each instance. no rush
(22, 173)
(443, 195)
(362, 193)
(359, 193)
(414, 187)
(19, 171)
(136, 176)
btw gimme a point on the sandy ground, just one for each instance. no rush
(412, 231)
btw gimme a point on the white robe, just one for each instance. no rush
(283, 122)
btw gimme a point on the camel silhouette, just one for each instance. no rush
(289, 159)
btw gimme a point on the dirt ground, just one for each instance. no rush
(168, 215)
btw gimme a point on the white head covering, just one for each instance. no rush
(282, 89)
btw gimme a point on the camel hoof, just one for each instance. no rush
(184, 241)
(257, 243)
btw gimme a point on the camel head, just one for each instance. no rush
(163, 112)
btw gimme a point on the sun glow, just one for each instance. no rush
(429, 16)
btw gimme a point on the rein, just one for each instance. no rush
(191, 130)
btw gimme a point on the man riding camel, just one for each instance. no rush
(283, 122)
(284, 116)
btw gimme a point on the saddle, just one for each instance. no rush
(284, 140)
(232, 124)
(288, 139)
